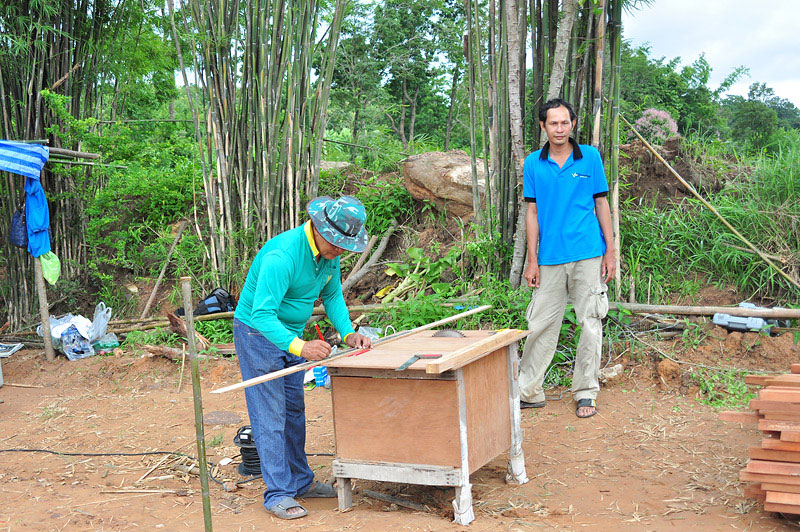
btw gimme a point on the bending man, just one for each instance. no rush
(287, 276)
(570, 255)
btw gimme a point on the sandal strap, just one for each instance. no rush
(286, 503)
(587, 402)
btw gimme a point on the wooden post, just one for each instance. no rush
(186, 289)
(43, 310)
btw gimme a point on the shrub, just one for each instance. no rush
(656, 125)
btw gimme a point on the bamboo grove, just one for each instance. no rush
(257, 79)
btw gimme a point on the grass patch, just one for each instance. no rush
(722, 389)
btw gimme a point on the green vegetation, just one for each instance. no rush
(722, 389)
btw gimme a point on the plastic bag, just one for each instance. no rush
(102, 315)
(74, 345)
(51, 267)
(373, 333)
(18, 232)
(59, 325)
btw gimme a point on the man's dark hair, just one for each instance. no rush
(553, 104)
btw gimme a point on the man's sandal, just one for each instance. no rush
(284, 505)
(526, 404)
(586, 403)
(318, 490)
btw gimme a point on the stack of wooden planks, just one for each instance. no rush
(774, 466)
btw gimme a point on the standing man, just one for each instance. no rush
(287, 276)
(570, 255)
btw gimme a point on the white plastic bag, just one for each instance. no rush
(102, 315)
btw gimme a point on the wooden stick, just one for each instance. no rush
(775, 313)
(23, 385)
(163, 269)
(347, 352)
(725, 222)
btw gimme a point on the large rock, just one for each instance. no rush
(444, 178)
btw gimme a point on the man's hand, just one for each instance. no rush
(532, 274)
(358, 340)
(316, 350)
(609, 266)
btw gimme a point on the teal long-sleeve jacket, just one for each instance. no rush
(282, 285)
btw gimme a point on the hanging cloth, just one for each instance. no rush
(28, 160)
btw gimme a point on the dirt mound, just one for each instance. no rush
(649, 180)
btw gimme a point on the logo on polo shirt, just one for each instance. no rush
(580, 176)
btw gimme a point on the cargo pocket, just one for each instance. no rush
(529, 310)
(599, 304)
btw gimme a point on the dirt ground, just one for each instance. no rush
(654, 458)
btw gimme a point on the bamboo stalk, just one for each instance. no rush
(710, 207)
(197, 396)
(347, 352)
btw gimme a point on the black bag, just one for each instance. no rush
(18, 232)
(219, 300)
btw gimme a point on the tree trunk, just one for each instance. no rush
(560, 55)
(449, 125)
(598, 75)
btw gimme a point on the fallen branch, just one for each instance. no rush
(355, 277)
(363, 256)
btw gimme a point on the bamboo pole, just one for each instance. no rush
(616, 60)
(710, 207)
(347, 352)
(163, 269)
(73, 153)
(186, 289)
(43, 310)
(771, 313)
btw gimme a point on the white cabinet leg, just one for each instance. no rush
(345, 492)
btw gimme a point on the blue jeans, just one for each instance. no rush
(277, 414)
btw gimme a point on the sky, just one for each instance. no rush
(762, 36)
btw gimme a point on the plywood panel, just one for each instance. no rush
(785, 488)
(773, 468)
(784, 498)
(488, 410)
(757, 453)
(760, 477)
(781, 508)
(774, 406)
(396, 420)
(393, 354)
(778, 445)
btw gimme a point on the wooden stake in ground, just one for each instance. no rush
(49, 352)
(186, 289)
(347, 352)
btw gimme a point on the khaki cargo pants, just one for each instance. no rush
(580, 282)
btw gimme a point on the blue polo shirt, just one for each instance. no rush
(568, 227)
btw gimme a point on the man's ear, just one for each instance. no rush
(541, 125)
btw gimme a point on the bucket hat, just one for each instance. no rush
(340, 221)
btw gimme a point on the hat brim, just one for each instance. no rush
(316, 211)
